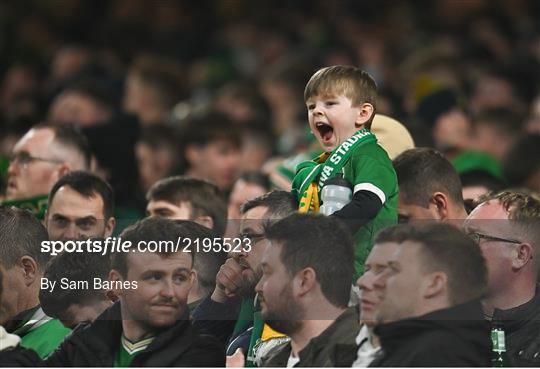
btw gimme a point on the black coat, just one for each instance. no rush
(19, 357)
(522, 329)
(97, 344)
(454, 337)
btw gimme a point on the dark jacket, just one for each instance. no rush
(215, 318)
(454, 337)
(19, 357)
(334, 347)
(522, 329)
(97, 344)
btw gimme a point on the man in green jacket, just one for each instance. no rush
(22, 264)
(305, 289)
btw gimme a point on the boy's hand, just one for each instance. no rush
(228, 280)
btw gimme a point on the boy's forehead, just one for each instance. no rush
(325, 95)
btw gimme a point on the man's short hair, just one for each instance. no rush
(72, 138)
(21, 234)
(318, 242)
(205, 198)
(75, 266)
(423, 171)
(279, 203)
(257, 178)
(352, 82)
(87, 185)
(161, 229)
(445, 248)
(523, 207)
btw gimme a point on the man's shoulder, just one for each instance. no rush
(45, 338)
(183, 345)
(277, 357)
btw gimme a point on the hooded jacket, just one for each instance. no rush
(454, 337)
(97, 344)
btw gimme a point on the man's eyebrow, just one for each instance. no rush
(182, 270)
(60, 216)
(88, 217)
(248, 230)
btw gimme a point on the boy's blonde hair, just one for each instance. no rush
(352, 82)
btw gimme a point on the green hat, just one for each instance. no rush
(474, 160)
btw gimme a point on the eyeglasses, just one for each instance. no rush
(476, 237)
(24, 159)
(253, 237)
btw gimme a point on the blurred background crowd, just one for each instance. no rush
(150, 83)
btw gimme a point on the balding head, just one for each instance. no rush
(42, 156)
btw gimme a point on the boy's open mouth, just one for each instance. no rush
(325, 130)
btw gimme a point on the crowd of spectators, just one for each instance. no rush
(138, 121)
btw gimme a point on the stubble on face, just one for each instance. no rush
(285, 313)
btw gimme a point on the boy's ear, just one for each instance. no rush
(365, 112)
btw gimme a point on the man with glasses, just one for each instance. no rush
(506, 227)
(41, 157)
(232, 309)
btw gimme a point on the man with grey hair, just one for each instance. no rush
(22, 264)
(506, 226)
(39, 159)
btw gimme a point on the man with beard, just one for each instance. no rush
(305, 289)
(81, 206)
(231, 308)
(188, 198)
(150, 324)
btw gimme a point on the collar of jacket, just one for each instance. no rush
(515, 318)
(106, 331)
(463, 316)
(344, 354)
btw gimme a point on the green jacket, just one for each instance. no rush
(335, 347)
(39, 332)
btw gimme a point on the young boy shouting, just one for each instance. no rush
(341, 106)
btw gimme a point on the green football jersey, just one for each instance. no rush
(370, 169)
(129, 350)
(45, 338)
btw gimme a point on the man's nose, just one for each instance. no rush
(13, 166)
(72, 232)
(365, 282)
(167, 289)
